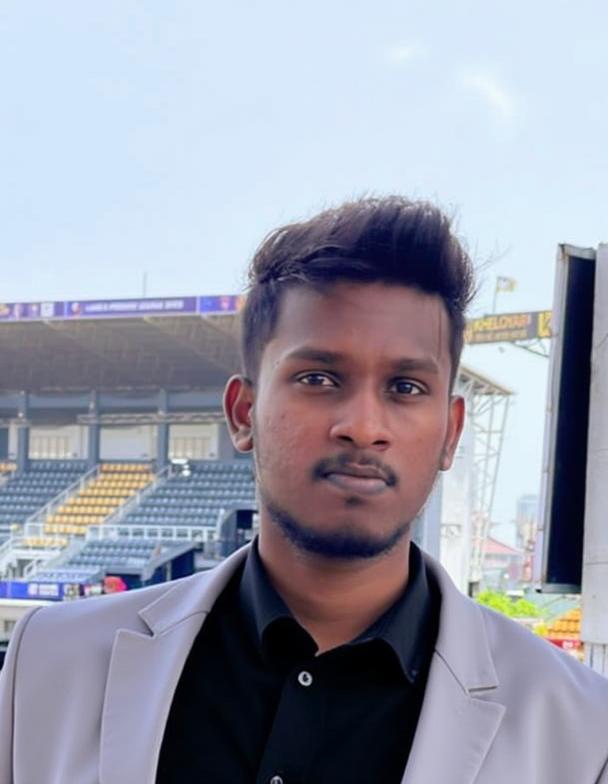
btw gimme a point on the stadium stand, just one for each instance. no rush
(115, 484)
(24, 494)
(114, 555)
(132, 383)
(200, 494)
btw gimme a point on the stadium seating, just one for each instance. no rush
(23, 494)
(116, 484)
(198, 496)
(113, 553)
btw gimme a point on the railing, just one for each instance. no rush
(60, 499)
(136, 500)
(54, 559)
(168, 532)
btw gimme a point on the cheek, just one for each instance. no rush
(281, 443)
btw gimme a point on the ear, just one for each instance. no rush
(238, 408)
(455, 425)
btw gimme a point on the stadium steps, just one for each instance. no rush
(24, 495)
(93, 497)
(115, 485)
(194, 499)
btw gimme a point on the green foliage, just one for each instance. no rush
(520, 608)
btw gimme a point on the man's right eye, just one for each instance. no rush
(316, 380)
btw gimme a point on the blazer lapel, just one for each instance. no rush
(459, 720)
(144, 671)
(455, 731)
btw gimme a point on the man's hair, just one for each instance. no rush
(390, 240)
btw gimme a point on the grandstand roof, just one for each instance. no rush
(176, 344)
(190, 350)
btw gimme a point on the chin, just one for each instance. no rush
(348, 541)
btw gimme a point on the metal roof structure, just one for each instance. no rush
(164, 352)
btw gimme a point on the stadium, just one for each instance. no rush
(117, 470)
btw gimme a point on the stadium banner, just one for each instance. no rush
(125, 308)
(224, 303)
(509, 327)
(31, 311)
(122, 308)
(52, 591)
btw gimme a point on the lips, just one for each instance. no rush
(362, 480)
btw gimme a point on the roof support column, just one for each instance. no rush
(162, 431)
(23, 432)
(94, 431)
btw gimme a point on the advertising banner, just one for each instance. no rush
(31, 311)
(509, 327)
(125, 308)
(121, 308)
(223, 303)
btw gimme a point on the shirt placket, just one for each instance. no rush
(293, 741)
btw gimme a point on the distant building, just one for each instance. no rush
(502, 565)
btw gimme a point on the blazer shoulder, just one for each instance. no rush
(98, 618)
(522, 657)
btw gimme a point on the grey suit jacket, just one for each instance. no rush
(87, 687)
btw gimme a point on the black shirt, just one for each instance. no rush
(256, 704)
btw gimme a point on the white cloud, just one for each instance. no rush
(496, 96)
(405, 53)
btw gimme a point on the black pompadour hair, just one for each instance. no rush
(390, 240)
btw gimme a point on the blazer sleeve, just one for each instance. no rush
(603, 779)
(8, 678)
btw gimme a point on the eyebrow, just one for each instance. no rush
(426, 364)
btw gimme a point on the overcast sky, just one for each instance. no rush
(168, 138)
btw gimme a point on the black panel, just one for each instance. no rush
(567, 495)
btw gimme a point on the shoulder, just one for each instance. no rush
(521, 656)
(98, 618)
(487, 650)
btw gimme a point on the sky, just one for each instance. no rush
(150, 146)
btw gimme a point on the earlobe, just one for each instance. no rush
(238, 409)
(455, 426)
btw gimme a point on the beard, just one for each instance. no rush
(345, 544)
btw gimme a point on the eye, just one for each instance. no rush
(316, 380)
(405, 387)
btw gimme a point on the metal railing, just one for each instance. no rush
(55, 559)
(169, 532)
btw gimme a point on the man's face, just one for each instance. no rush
(352, 416)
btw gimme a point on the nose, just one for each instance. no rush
(360, 421)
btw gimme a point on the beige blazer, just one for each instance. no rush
(87, 687)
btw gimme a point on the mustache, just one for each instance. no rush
(342, 462)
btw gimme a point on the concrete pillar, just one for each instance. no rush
(23, 433)
(594, 630)
(162, 431)
(94, 431)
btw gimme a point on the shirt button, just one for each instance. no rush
(276, 780)
(305, 678)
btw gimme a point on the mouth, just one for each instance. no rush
(361, 480)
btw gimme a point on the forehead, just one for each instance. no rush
(362, 320)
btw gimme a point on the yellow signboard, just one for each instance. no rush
(509, 327)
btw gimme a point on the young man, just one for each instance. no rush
(331, 650)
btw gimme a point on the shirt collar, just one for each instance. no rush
(408, 627)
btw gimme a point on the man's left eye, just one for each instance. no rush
(316, 380)
(404, 387)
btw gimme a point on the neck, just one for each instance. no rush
(333, 600)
